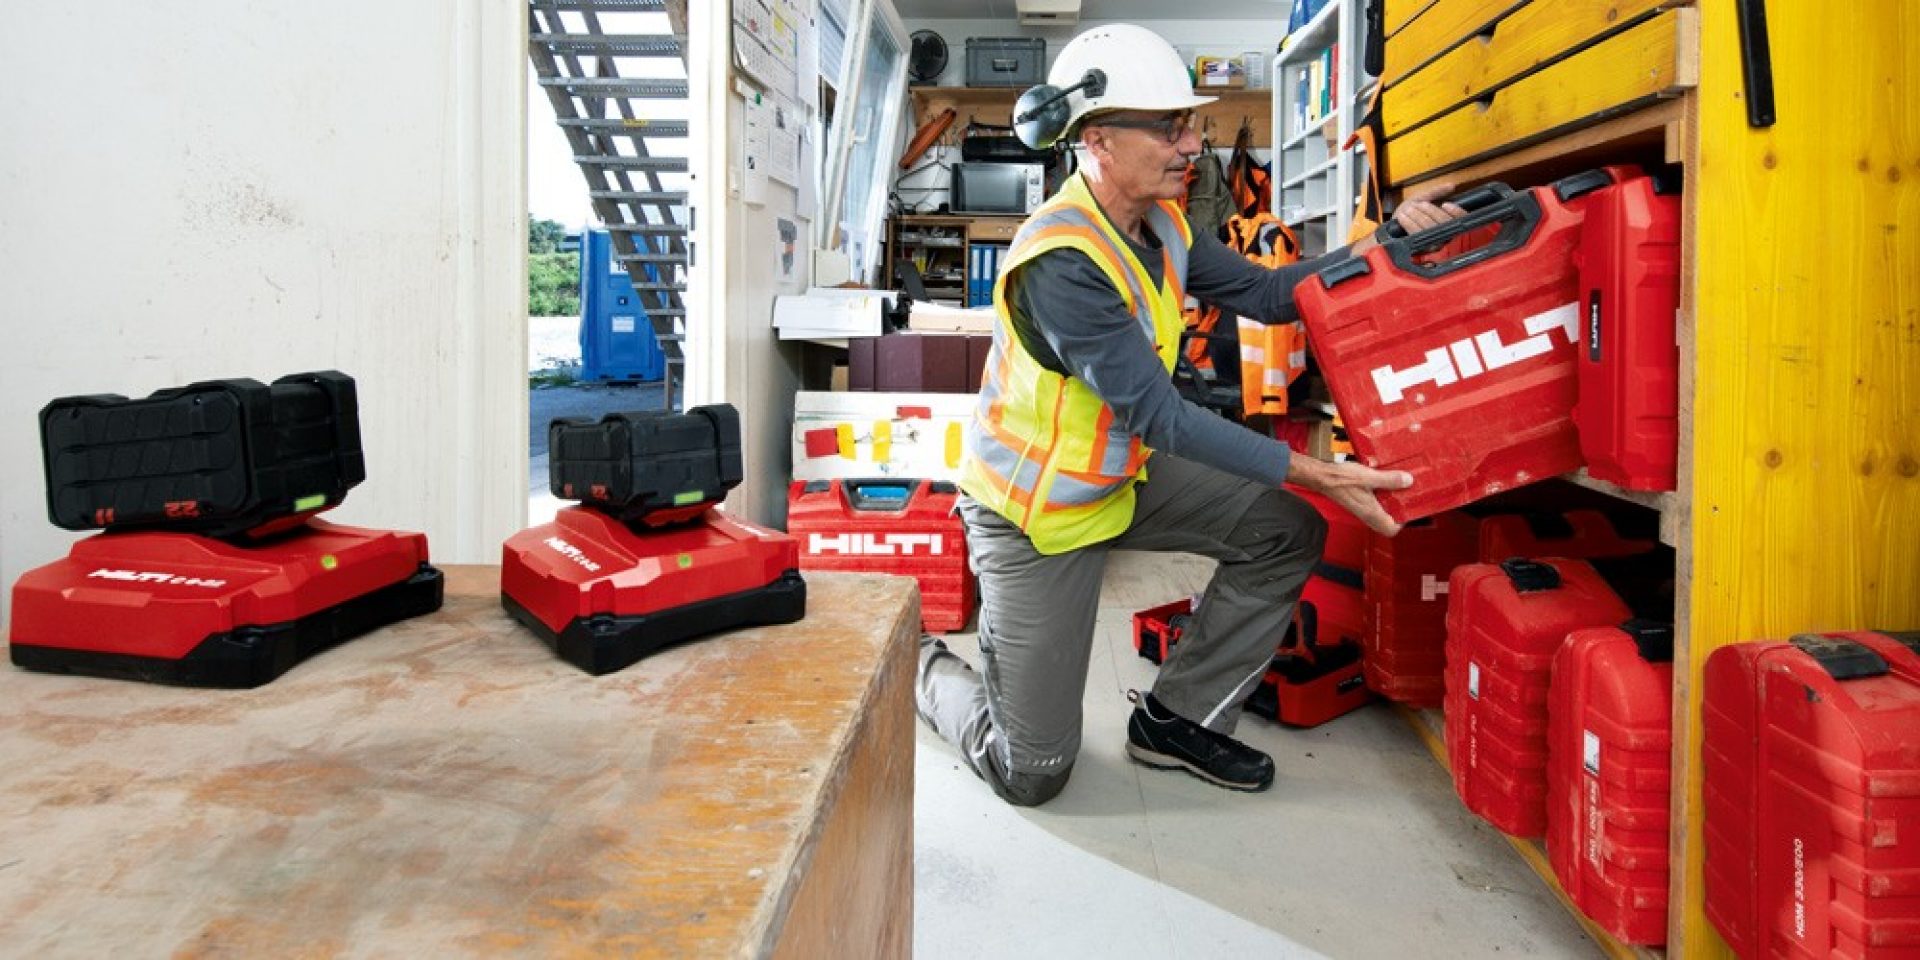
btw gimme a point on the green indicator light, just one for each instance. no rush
(691, 496)
(314, 502)
(329, 561)
(686, 560)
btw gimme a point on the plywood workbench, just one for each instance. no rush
(446, 786)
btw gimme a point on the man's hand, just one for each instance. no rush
(1417, 212)
(1420, 211)
(1351, 486)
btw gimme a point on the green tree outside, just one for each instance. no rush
(553, 277)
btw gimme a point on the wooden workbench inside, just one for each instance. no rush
(446, 786)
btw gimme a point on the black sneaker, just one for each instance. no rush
(1160, 738)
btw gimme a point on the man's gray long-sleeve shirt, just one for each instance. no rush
(1072, 321)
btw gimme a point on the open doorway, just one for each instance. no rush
(609, 126)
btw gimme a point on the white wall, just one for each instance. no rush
(1193, 38)
(733, 354)
(242, 189)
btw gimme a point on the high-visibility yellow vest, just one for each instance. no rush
(1044, 451)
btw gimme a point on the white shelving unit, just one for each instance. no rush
(1315, 182)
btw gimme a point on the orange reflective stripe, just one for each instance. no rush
(991, 424)
(1016, 494)
(1113, 256)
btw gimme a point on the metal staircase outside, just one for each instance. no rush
(615, 71)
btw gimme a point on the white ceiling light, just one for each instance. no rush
(1047, 13)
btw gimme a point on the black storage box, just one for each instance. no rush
(1006, 62)
(646, 466)
(214, 458)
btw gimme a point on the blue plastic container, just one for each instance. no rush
(616, 335)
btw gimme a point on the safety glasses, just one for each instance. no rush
(1170, 128)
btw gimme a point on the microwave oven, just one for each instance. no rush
(986, 187)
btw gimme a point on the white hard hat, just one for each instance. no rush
(1142, 72)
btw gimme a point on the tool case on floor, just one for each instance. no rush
(1157, 629)
(1812, 795)
(648, 467)
(1314, 677)
(214, 458)
(1629, 358)
(900, 527)
(1504, 624)
(1609, 775)
(1460, 368)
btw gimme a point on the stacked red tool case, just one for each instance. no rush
(902, 527)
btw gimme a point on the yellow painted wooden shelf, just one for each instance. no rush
(1799, 443)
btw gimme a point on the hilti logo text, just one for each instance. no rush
(147, 576)
(1431, 587)
(573, 553)
(1799, 888)
(1472, 356)
(885, 545)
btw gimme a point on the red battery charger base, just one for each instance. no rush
(603, 595)
(187, 610)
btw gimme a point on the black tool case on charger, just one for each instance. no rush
(213, 458)
(646, 467)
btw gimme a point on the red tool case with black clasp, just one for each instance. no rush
(903, 527)
(1609, 775)
(1504, 625)
(1811, 755)
(1460, 369)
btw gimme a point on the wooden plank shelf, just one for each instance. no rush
(1671, 506)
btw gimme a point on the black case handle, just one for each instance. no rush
(1655, 639)
(1530, 576)
(1843, 659)
(1475, 200)
(1518, 215)
(859, 499)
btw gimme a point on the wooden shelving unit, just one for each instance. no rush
(1315, 179)
(994, 105)
(1799, 499)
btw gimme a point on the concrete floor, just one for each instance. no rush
(1359, 850)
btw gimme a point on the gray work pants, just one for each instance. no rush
(1017, 720)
